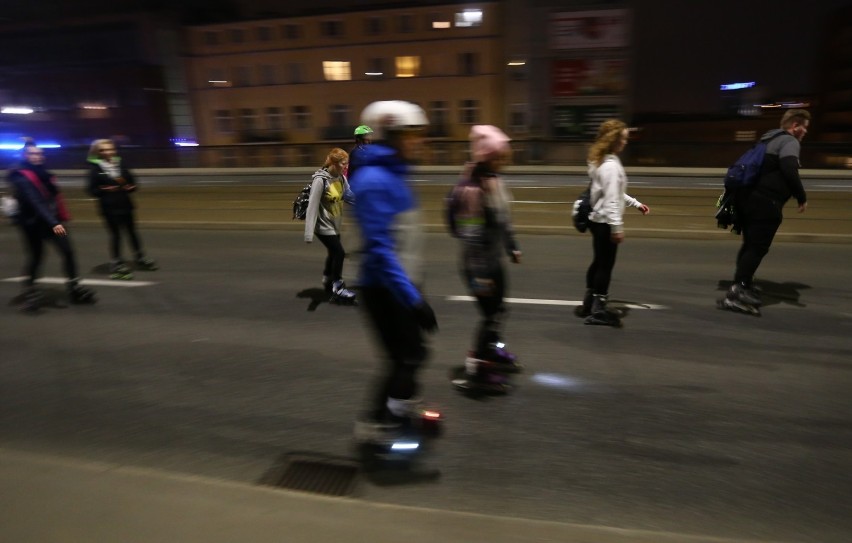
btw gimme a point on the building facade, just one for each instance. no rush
(304, 81)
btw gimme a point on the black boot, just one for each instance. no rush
(78, 294)
(601, 315)
(585, 310)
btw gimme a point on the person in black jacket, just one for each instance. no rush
(111, 183)
(42, 216)
(760, 207)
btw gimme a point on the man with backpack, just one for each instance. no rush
(759, 206)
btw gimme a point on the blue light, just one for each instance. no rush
(405, 446)
(737, 86)
(19, 146)
(554, 380)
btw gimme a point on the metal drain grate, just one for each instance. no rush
(329, 477)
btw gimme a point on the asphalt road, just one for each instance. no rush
(688, 419)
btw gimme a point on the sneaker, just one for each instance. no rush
(143, 263)
(742, 294)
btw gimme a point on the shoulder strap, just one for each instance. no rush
(33, 178)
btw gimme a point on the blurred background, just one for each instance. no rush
(226, 83)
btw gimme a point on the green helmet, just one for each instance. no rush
(363, 130)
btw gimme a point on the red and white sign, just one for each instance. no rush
(590, 29)
(588, 77)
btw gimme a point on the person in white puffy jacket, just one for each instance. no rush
(608, 199)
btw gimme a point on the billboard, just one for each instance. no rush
(588, 77)
(589, 29)
(580, 122)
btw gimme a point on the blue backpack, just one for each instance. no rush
(746, 170)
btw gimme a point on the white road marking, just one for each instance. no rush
(539, 202)
(538, 301)
(89, 282)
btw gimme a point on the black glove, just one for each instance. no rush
(425, 317)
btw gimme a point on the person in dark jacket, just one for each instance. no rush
(363, 137)
(112, 183)
(42, 216)
(760, 207)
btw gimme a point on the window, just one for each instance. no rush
(238, 35)
(373, 26)
(468, 63)
(468, 18)
(242, 78)
(331, 29)
(336, 70)
(375, 68)
(216, 78)
(266, 74)
(469, 111)
(248, 120)
(274, 119)
(405, 23)
(518, 118)
(338, 115)
(295, 72)
(407, 66)
(291, 31)
(223, 121)
(301, 117)
(264, 33)
(439, 114)
(436, 21)
(211, 38)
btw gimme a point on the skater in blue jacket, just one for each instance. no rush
(391, 266)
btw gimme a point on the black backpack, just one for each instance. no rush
(582, 209)
(300, 204)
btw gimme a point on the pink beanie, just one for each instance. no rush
(487, 142)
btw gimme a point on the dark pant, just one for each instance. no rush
(760, 219)
(599, 273)
(34, 237)
(116, 222)
(489, 291)
(334, 261)
(401, 339)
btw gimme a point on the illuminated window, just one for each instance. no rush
(436, 21)
(469, 17)
(407, 66)
(336, 70)
(469, 111)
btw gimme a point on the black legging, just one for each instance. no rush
(334, 261)
(116, 222)
(401, 339)
(599, 273)
(491, 307)
(761, 218)
(34, 237)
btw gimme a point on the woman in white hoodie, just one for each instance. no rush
(608, 199)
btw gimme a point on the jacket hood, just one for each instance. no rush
(322, 172)
(771, 133)
(378, 154)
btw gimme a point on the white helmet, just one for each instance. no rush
(391, 115)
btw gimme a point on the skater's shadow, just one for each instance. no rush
(54, 298)
(317, 296)
(772, 293)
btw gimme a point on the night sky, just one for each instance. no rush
(684, 49)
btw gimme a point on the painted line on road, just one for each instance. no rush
(89, 282)
(539, 202)
(539, 301)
